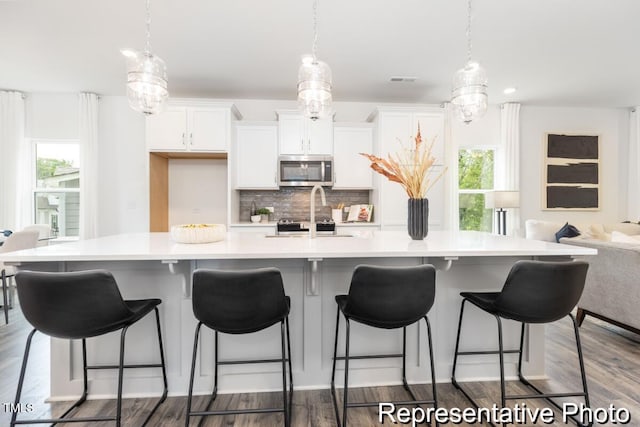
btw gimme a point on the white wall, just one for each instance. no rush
(613, 127)
(197, 191)
(52, 115)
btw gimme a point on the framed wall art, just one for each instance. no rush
(571, 172)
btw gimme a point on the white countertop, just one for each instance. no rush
(254, 245)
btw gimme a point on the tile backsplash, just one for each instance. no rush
(293, 202)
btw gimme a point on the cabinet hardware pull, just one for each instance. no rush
(183, 142)
(191, 138)
(301, 144)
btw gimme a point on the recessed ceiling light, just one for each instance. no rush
(407, 79)
(509, 90)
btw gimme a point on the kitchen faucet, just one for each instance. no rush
(312, 208)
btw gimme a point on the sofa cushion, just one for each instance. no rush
(628, 228)
(618, 237)
(541, 230)
(567, 230)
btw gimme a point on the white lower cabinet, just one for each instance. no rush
(256, 156)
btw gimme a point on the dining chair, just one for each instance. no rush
(15, 242)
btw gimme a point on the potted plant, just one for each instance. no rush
(264, 213)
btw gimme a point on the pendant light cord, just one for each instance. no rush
(315, 29)
(148, 23)
(468, 30)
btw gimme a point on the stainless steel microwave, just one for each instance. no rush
(305, 171)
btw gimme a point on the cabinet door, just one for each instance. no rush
(256, 164)
(291, 134)
(319, 138)
(431, 126)
(351, 170)
(167, 131)
(208, 129)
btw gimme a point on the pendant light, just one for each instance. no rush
(146, 77)
(314, 80)
(469, 94)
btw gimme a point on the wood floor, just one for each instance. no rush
(612, 358)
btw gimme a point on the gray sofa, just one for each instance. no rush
(612, 290)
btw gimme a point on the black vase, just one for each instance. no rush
(418, 222)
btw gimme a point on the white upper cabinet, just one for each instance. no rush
(350, 169)
(299, 135)
(256, 156)
(199, 127)
(399, 123)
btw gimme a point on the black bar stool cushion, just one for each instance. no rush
(239, 302)
(80, 304)
(535, 291)
(389, 297)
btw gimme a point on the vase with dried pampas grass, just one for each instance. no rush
(410, 168)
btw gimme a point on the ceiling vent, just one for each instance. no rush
(405, 79)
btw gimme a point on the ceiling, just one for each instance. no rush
(556, 52)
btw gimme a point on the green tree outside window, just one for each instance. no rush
(475, 173)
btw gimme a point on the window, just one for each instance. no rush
(56, 193)
(475, 178)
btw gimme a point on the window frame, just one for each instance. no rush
(35, 190)
(484, 191)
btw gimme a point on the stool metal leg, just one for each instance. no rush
(286, 319)
(333, 369)
(346, 374)
(539, 393)
(404, 359)
(433, 368)
(5, 299)
(123, 335)
(23, 369)
(164, 371)
(193, 369)
(285, 404)
(549, 396)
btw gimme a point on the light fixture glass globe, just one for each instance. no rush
(469, 94)
(146, 82)
(314, 88)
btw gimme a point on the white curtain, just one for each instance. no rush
(14, 187)
(633, 180)
(510, 160)
(451, 154)
(88, 132)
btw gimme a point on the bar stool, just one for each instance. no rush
(81, 305)
(241, 302)
(534, 292)
(386, 298)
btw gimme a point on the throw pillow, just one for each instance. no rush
(619, 237)
(567, 230)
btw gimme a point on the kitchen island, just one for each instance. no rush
(151, 265)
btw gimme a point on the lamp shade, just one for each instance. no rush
(502, 199)
(146, 82)
(469, 95)
(314, 88)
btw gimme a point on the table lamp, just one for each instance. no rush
(500, 200)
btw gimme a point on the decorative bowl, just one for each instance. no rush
(198, 233)
(256, 218)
